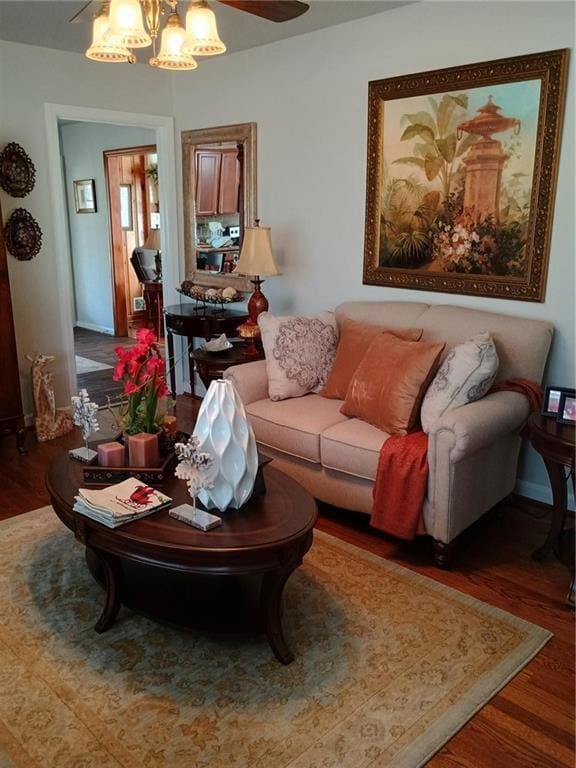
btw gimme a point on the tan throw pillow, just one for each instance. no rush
(299, 352)
(355, 338)
(391, 380)
(466, 375)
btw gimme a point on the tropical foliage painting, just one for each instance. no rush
(460, 180)
(454, 197)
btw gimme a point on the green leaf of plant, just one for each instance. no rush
(411, 161)
(461, 100)
(422, 118)
(445, 112)
(466, 143)
(447, 147)
(417, 130)
(432, 166)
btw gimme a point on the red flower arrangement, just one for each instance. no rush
(141, 367)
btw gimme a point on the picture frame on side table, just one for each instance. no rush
(567, 409)
(85, 196)
(553, 398)
(461, 177)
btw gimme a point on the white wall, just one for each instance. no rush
(82, 147)
(30, 77)
(308, 95)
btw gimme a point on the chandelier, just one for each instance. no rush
(126, 24)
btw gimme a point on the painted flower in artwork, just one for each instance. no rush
(142, 370)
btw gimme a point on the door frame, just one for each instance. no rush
(118, 279)
(173, 260)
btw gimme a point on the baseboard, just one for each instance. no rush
(542, 493)
(97, 328)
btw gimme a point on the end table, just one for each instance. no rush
(211, 365)
(555, 443)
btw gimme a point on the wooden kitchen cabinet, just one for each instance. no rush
(229, 182)
(208, 163)
(217, 181)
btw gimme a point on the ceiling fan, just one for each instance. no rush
(272, 10)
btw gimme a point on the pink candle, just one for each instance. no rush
(111, 455)
(143, 450)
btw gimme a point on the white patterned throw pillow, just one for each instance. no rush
(466, 375)
(299, 352)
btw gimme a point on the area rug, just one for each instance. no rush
(389, 665)
(85, 365)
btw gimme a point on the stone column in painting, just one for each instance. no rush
(484, 161)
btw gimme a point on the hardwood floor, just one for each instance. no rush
(530, 723)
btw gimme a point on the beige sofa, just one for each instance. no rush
(472, 451)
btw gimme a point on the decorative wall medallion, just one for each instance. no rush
(23, 235)
(17, 171)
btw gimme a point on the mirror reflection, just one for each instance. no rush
(219, 201)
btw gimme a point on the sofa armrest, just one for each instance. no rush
(250, 380)
(479, 424)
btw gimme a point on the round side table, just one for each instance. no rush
(555, 443)
(211, 365)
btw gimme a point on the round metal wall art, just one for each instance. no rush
(23, 235)
(17, 171)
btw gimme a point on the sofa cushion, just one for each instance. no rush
(299, 352)
(390, 382)
(353, 447)
(294, 426)
(355, 338)
(466, 375)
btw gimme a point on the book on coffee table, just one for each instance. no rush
(121, 503)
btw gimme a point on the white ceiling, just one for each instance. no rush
(45, 22)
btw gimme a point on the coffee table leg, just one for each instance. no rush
(271, 602)
(112, 582)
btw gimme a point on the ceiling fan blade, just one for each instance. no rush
(87, 12)
(273, 10)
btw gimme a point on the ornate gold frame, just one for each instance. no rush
(551, 68)
(244, 133)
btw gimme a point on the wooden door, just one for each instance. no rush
(208, 164)
(10, 398)
(126, 181)
(228, 198)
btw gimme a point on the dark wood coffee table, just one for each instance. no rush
(170, 571)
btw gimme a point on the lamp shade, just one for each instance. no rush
(104, 46)
(152, 242)
(126, 23)
(202, 34)
(256, 255)
(172, 54)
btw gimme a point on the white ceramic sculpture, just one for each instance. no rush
(224, 432)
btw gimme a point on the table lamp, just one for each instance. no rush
(152, 243)
(255, 260)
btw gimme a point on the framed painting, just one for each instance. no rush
(461, 176)
(85, 196)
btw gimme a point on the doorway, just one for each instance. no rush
(162, 128)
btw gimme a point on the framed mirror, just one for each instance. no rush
(219, 178)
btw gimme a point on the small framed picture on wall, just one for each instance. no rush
(85, 196)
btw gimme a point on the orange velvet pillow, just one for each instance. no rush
(390, 382)
(355, 338)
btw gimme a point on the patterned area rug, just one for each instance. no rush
(389, 665)
(84, 365)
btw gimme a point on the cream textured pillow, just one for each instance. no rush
(466, 375)
(299, 352)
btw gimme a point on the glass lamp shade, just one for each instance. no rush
(171, 55)
(105, 47)
(256, 255)
(127, 24)
(203, 38)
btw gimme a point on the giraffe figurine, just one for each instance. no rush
(50, 423)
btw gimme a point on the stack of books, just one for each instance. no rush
(121, 503)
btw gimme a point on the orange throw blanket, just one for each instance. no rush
(402, 476)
